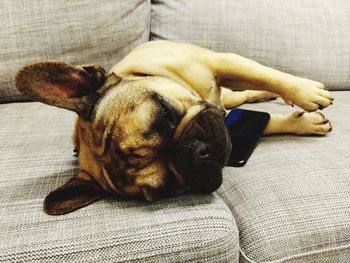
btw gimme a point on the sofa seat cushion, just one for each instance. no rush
(306, 38)
(78, 32)
(291, 201)
(36, 156)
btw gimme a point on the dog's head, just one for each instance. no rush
(144, 136)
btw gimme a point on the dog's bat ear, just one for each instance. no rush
(61, 84)
(75, 194)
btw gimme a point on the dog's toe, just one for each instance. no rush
(323, 129)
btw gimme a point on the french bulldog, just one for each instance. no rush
(153, 126)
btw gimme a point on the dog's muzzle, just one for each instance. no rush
(202, 147)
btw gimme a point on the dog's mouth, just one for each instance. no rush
(202, 147)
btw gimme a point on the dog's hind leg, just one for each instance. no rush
(300, 123)
(232, 99)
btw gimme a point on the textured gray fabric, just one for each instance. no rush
(306, 38)
(36, 156)
(75, 31)
(291, 201)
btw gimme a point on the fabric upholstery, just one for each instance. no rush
(305, 38)
(36, 156)
(291, 201)
(74, 31)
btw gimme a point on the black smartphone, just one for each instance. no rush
(245, 128)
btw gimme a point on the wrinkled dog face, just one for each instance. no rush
(137, 126)
(139, 129)
(138, 136)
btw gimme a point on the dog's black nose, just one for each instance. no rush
(201, 163)
(200, 150)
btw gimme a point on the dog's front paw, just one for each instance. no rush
(308, 123)
(307, 94)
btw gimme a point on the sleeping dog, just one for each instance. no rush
(154, 125)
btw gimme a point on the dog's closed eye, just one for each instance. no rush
(171, 115)
(137, 160)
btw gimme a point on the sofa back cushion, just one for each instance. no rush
(305, 38)
(74, 31)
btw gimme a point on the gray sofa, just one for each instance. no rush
(290, 203)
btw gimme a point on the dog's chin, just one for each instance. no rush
(202, 151)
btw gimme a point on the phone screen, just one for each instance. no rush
(245, 128)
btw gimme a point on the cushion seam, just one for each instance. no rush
(300, 255)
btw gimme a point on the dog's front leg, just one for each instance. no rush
(233, 71)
